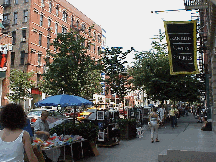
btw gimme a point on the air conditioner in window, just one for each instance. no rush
(23, 39)
(42, 5)
(50, 28)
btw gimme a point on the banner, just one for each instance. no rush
(181, 40)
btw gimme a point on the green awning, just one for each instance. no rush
(1, 26)
(2, 74)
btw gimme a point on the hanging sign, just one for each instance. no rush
(181, 40)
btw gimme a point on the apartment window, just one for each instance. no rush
(64, 30)
(56, 28)
(77, 23)
(22, 58)
(42, 1)
(15, 1)
(71, 21)
(25, 1)
(5, 17)
(24, 33)
(48, 43)
(12, 58)
(57, 11)
(98, 50)
(94, 35)
(49, 22)
(39, 59)
(94, 48)
(99, 38)
(7, 2)
(25, 15)
(89, 31)
(50, 7)
(41, 20)
(15, 17)
(38, 78)
(14, 37)
(89, 45)
(64, 16)
(40, 39)
(83, 27)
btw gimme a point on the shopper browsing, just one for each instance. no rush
(13, 139)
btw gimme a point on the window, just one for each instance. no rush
(77, 23)
(98, 50)
(99, 38)
(12, 58)
(40, 39)
(22, 58)
(83, 27)
(94, 35)
(48, 43)
(42, 1)
(64, 30)
(64, 16)
(72, 21)
(15, 17)
(41, 20)
(39, 59)
(25, 1)
(5, 17)
(89, 31)
(94, 48)
(56, 28)
(14, 37)
(57, 11)
(7, 2)
(49, 22)
(25, 15)
(50, 7)
(15, 1)
(24, 33)
(89, 45)
(38, 78)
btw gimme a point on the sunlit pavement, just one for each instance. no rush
(187, 136)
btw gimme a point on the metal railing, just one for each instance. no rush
(195, 4)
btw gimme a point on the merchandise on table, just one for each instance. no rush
(56, 141)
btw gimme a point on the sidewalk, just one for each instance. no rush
(187, 136)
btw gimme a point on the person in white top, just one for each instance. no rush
(161, 114)
(13, 139)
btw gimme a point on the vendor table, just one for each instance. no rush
(75, 151)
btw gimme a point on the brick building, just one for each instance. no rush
(34, 25)
(5, 55)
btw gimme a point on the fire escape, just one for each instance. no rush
(202, 8)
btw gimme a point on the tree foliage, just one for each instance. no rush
(115, 71)
(20, 83)
(72, 71)
(151, 73)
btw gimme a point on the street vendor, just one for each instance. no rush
(41, 127)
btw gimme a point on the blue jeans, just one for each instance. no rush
(172, 120)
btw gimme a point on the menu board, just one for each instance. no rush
(181, 40)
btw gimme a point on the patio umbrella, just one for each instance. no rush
(63, 100)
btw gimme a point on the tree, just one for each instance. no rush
(72, 71)
(20, 83)
(151, 73)
(115, 71)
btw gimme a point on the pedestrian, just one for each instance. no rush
(154, 120)
(172, 116)
(41, 127)
(161, 114)
(176, 116)
(186, 110)
(13, 139)
(199, 109)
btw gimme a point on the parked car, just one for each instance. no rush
(53, 119)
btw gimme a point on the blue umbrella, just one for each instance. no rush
(63, 101)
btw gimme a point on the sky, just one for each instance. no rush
(131, 23)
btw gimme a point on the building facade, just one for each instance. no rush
(34, 24)
(207, 43)
(5, 55)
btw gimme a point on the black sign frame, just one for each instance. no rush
(182, 47)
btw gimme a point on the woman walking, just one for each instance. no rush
(154, 125)
(13, 139)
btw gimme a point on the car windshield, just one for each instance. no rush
(35, 113)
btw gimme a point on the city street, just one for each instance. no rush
(187, 136)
